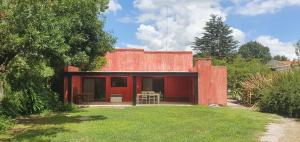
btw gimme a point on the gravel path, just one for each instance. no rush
(234, 104)
(285, 130)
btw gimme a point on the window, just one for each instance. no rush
(119, 82)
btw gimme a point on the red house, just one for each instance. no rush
(130, 72)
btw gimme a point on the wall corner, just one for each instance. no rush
(71, 69)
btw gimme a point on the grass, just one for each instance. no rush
(142, 124)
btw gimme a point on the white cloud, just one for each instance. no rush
(278, 47)
(238, 35)
(256, 7)
(114, 6)
(136, 46)
(150, 37)
(126, 19)
(173, 24)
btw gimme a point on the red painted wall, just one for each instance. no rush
(140, 60)
(178, 88)
(125, 91)
(219, 85)
(212, 83)
(66, 93)
(76, 85)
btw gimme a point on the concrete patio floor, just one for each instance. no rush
(129, 104)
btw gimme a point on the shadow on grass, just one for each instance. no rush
(43, 128)
(58, 119)
(34, 134)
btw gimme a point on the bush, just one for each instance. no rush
(5, 123)
(252, 87)
(66, 107)
(239, 69)
(283, 96)
(28, 101)
(25, 88)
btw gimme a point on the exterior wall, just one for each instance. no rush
(125, 91)
(66, 93)
(76, 85)
(71, 69)
(212, 83)
(178, 88)
(219, 86)
(140, 60)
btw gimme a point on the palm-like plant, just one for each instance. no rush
(252, 87)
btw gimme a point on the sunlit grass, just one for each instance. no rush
(149, 124)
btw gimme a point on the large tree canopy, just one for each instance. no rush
(63, 32)
(38, 38)
(217, 40)
(256, 50)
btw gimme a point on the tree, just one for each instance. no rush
(256, 50)
(280, 58)
(217, 40)
(39, 38)
(55, 30)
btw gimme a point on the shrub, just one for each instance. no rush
(27, 101)
(239, 69)
(66, 107)
(252, 87)
(5, 123)
(283, 96)
(25, 90)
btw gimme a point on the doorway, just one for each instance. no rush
(94, 89)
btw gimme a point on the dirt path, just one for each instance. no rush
(285, 130)
(234, 104)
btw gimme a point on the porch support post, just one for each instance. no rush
(196, 87)
(70, 93)
(134, 90)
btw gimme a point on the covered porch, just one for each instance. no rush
(131, 88)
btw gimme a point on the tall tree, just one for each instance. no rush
(217, 40)
(38, 38)
(254, 49)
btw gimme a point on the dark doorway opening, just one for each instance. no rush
(94, 89)
(100, 86)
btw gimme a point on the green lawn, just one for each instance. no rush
(159, 123)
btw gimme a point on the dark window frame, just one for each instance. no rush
(123, 81)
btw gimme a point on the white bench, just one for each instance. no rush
(116, 98)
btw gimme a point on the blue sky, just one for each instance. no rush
(172, 25)
(282, 24)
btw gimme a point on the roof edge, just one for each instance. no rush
(150, 51)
